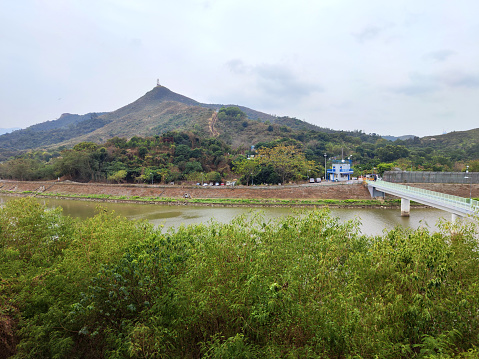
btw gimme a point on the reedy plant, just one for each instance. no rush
(305, 285)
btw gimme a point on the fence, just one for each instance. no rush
(431, 177)
(433, 198)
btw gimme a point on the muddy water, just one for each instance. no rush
(373, 221)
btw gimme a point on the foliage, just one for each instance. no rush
(305, 285)
(289, 162)
(160, 112)
(247, 168)
(382, 167)
(46, 261)
(178, 156)
(118, 176)
(274, 164)
(390, 153)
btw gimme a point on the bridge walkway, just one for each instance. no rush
(456, 205)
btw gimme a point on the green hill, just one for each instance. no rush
(50, 133)
(160, 110)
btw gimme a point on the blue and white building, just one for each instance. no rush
(342, 170)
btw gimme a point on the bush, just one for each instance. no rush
(306, 285)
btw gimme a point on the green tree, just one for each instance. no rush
(118, 176)
(247, 167)
(382, 167)
(391, 153)
(213, 176)
(288, 161)
(474, 166)
(75, 164)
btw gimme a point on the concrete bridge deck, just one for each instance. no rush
(458, 206)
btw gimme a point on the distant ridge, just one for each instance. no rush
(159, 110)
(8, 130)
(49, 133)
(402, 138)
(64, 121)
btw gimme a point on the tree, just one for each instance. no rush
(247, 167)
(191, 167)
(474, 166)
(382, 167)
(213, 176)
(118, 176)
(288, 161)
(391, 153)
(22, 169)
(75, 164)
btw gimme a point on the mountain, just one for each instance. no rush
(394, 138)
(66, 120)
(160, 110)
(464, 141)
(49, 133)
(8, 130)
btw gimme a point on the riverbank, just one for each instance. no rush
(342, 195)
(219, 202)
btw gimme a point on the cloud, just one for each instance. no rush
(370, 32)
(420, 84)
(460, 79)
(236, 66)
(439, 55)
(282, 82)
(271, 84)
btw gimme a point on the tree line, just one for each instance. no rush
(172, 157)
(187, 156)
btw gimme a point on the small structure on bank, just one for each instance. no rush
(342, 170)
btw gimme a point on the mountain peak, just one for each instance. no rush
(161, 94)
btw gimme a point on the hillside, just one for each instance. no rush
(51, 132)
(460, 139)
(158, 111)
(252, 114)
(161, 110)
(451, 144)
(394, 138)
(138, 119)
(8, 130)
(66, 120)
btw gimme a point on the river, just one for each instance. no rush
(373, 221)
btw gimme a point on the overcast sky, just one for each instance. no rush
(388, 67)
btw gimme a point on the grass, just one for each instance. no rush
(225, 201)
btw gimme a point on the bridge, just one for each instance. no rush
(457, 206)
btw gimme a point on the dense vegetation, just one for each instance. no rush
(161, 111)
(192, 156)
(303, 286)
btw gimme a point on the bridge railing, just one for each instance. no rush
(466, 203)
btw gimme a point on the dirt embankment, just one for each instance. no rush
(338, 191)
(316, 191)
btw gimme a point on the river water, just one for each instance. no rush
(373, 221)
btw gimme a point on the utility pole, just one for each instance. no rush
(325, 156)
(470, 183)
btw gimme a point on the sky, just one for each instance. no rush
(387, 67)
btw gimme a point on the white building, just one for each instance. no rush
(342, 170)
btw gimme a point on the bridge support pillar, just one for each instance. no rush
(405, 207)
